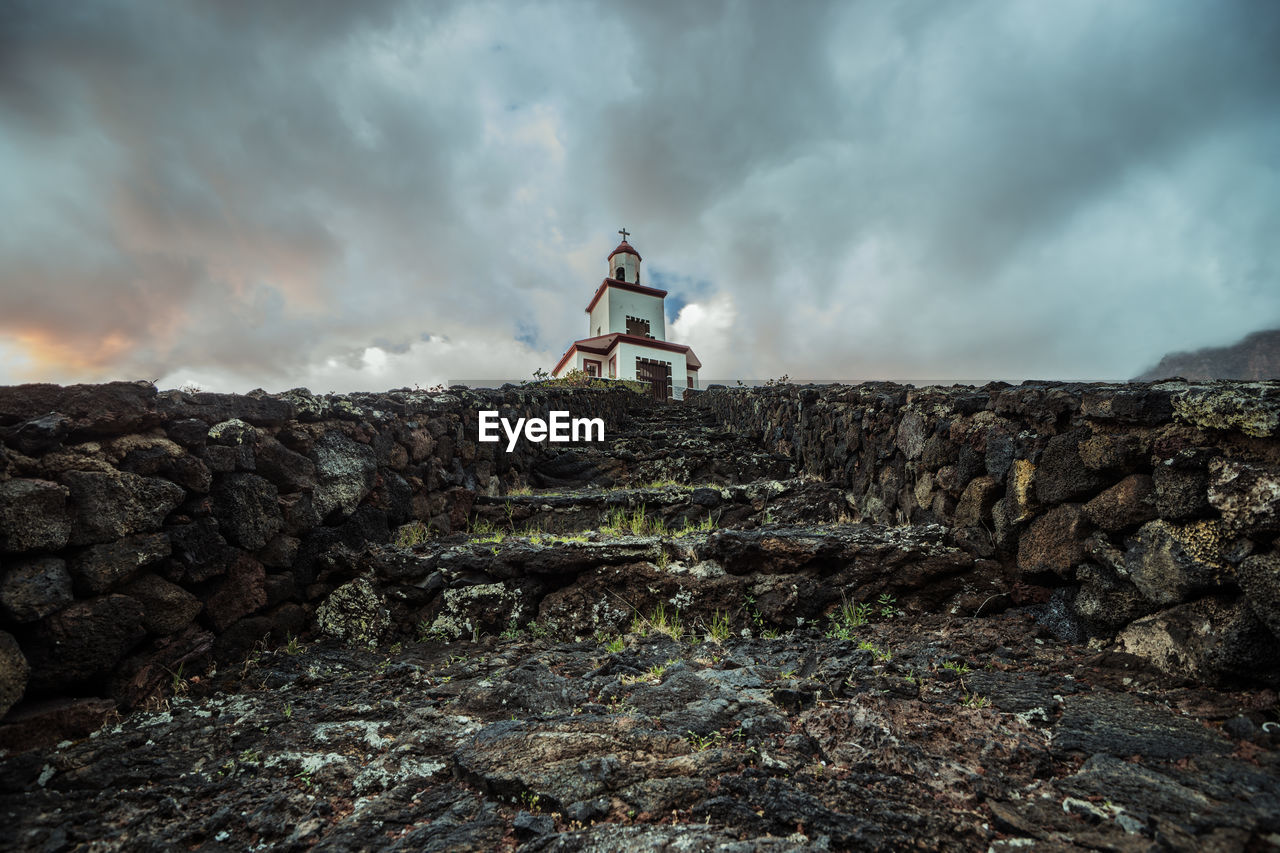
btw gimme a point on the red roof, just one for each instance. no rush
(624, 285)
(604, 344)
(625, 248)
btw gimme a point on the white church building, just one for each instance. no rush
(627, 333)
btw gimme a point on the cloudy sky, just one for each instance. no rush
(370, 195)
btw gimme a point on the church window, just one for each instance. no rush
(621, 274)
(637, 326)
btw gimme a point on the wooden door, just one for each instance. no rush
(657, 374)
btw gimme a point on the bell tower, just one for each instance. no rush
(624, 261)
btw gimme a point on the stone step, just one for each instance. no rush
(637, 455)
(671, 505)
(776, 575)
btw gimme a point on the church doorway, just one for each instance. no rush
(657, 374)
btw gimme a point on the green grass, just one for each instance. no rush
(427, 634)
(659, 622)
(846, 620)
(702, 743)
(718, 630)
(637, 522)
(413, 533)
(652, 676)
(882, 655)
(486, 531)
(707, 525)
(663, 484)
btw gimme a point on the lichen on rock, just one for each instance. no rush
(354, 613)
(1253, 408)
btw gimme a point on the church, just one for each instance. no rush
(627, 333)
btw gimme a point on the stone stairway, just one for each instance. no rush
(673, 511)
(664, 442)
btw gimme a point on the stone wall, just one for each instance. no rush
(141, 530)
(1143, 513)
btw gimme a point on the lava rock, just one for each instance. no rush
(354, 613)
(346, 469)
(189, 432)
(1137, 405)
(14, 672)
(1062, 475)
(100, 567)
(201, 550)
(1114, 452)
(167, 607)
(1259, 577)
(1182, 486)
(157, 665)
(112, 408)
(222, 459)
(81, 645)
(526, 825)
(239, 594)
(1106, 601)
(39, 435)
(233, 433)
(33, 515)
(1252, 408)
(1121, 726)
(247, 509)
(256, 409)
(1216, 640)
(1247, 495)
(974, 508)
(33, 589)
(1054, 542)
(280, 552)
(1168, 562)
(289, 471)
(110, 506)
(1128, 503)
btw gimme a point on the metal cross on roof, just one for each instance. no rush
(624, 232)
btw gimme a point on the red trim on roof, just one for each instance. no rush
(605, 344)
(624, 285)
(625, 248)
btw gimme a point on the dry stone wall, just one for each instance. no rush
(140, 530)
(1144, 513)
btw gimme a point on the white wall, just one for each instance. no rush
(624, 303)
(599, 318)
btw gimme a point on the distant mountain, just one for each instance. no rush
(1255, 357)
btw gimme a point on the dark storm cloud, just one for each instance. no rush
(270, 194)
